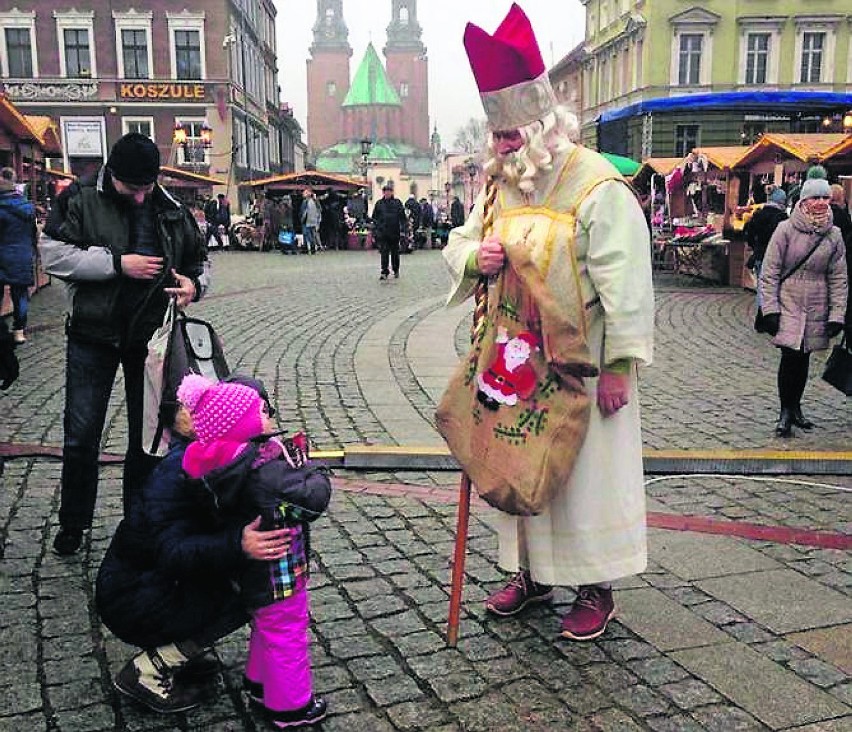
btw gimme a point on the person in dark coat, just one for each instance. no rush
(124, 246)
(807, 309)
(842, 220)
(9, 368)
(427, 222)
(389, 221)
(761, 227)
(456, 213)
(166, 583)
(254, 474)
(18, 234)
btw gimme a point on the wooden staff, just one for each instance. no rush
(477, 332)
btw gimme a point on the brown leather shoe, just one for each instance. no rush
(589, 615)
(519, 592)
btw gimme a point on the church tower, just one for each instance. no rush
(408, 69)
(328, 75)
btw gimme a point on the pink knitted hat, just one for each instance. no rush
(221, 411)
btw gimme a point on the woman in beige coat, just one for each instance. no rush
(806, 309)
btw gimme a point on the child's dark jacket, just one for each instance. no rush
(278, 484)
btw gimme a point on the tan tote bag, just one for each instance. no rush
(515, 412)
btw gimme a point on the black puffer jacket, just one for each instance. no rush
(171, 562)
(91, 217)
(761, 227)
(282, 495)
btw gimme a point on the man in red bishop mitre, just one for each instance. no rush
(595, 240)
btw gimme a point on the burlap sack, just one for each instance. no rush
(515, 412)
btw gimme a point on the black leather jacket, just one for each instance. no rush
(85, 236)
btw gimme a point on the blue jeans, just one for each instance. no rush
(20, 296)
(89, 376)
(310, 234)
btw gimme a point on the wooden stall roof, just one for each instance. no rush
(15, 122)
(809, 148)
(841, 149)
(307, 178)
(652, 166)
(48, 133)
(186, 176)
(723, 158)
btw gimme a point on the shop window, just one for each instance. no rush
(686, 139)
(757, 58)
(194, 151)
(813, 45)
(689, 59)
(142, 125)
(19, 53)
(134, 53)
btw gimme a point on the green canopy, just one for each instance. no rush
(623, 165)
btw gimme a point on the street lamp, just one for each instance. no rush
(366, 146)
(472, 170)
(447, 188)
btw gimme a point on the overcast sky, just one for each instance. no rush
(453, 98)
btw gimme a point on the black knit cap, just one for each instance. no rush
(134, 159)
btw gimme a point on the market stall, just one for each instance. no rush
(328, 188)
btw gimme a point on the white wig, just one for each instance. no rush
(543, 140)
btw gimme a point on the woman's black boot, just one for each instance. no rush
(800, 420)
(785, 423)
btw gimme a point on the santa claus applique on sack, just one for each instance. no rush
(510, 375)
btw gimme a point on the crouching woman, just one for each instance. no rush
(166, 584)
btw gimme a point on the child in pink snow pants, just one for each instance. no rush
(257, 475)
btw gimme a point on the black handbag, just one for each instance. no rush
(838, 367)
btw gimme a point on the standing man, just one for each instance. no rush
(389, 221)
(427, 221)
(593, 532)
(311, 217)
(761, 227)
(412, 212)
(456, 213)
(123, 246)
(18, 234)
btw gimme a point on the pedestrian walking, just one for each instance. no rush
(804, 292)
(389, 221)
(311, 217)
(266, 478)
(124, 246)
(593, 531)
(18, 234)
(167, 583)
(218, 215)
(842, 220)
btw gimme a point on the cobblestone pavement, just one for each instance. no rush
(720, 633)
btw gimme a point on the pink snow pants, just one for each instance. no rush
(278, 654)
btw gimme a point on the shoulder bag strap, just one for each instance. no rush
(805, 258)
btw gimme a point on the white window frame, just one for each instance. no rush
(17, 19)
(126, 121)
(76, 20)
(702, 66)
(702, 23)
(774, 27)
(186, 21)
(180, 156)
(827, 24)
(133, 20)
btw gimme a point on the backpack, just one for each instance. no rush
(181, 345)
